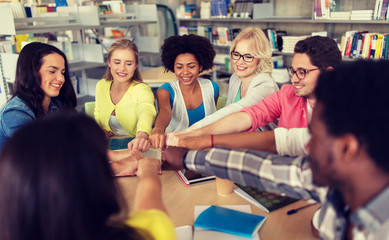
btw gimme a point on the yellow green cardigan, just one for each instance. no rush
(135, 111)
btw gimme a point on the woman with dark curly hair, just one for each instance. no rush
(188, 99)
(42, 86)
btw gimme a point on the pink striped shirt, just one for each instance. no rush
(283, 104)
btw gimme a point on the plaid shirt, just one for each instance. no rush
(293, 177)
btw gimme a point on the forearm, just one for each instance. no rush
(146, 119)
(161, 123)
(263, 141)
(149, 194)
(228, 124)
(255, 168)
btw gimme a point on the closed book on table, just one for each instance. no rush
(229, 221)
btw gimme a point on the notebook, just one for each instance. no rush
(229, 221)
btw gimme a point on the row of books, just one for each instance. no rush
(381, 10)
(221, 36)
(17, 10)
(327, 9)
(275, 38)
(352, 15)
(224, 9)
(224, 36)
(323, 8)
(364, 44)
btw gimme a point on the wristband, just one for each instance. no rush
(211, 140)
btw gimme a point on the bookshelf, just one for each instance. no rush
(78, 19)
(297, 18)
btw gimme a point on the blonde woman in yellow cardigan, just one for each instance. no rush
(124, 104)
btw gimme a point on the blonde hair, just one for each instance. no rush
(259, 46)
(123, 44)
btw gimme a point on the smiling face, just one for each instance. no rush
(122, 65)
(304, 87)
(244, 70)
(186, 68)
(52, 75)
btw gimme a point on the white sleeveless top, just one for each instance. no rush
(180, 120)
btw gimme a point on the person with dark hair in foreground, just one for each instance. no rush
(56, 183)
(347, 170)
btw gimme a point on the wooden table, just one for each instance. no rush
(181, 200)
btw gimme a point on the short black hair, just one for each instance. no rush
(322, 51)
(355, 101)
(199, 46)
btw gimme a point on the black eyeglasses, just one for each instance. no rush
(300, 72)
(247, 57)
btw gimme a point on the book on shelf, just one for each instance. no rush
(373, 45)
(264, 200)
(361, 15)
(229, 221)
(384, 10)
(190, 178)
(218, 9)
(345, 39)
(205, 10)
(242, 9)
(342, 15)
(381, 10)
(377, 3)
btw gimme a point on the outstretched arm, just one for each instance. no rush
(148, 190)
(264, 141)
(157, 135)
(274, 173)
(234, 123)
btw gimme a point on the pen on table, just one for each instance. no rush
(293, 211)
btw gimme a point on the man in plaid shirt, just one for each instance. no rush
(347, 170)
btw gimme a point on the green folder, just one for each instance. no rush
(119, 143)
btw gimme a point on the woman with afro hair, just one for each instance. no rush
(187, 99)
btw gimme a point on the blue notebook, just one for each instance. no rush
(229, 221)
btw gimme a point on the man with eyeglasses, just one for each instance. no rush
(292, 105)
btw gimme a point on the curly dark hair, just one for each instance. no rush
(199, 46)
(28, 80)
(355, 100)
(322, 51)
